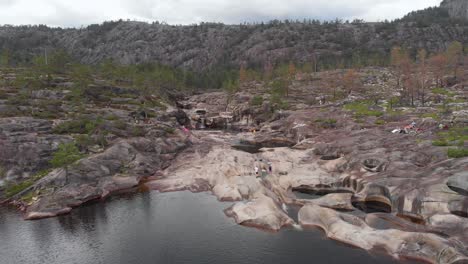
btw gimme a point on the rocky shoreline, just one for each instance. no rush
(370, 188)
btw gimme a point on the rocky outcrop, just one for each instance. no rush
(262, 212)
(120, 167)
(456, 8)
(371, 188)
(354, 231)
(26, 146)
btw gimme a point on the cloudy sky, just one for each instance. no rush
(76, 13)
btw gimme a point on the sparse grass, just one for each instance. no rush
(13, 189)
(79, 126)
(112, 117)
(456, 101)
(326, 123)
(361, 109)
(46, 114)
(169, 130)
(3, 94)
(455, 136)
(434, 116)
(380, 122)
(120, 124)
(457, 152)
(138, 131)
(256, 101)
(442, 91)
(440, 143)
(27, 198)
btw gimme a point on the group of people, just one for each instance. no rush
(406, 129)
(262, 168)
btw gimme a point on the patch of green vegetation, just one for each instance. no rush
(84, 141)
(79, 126)
(46, 114)
(66, 154)
(169, 130)
(138, 131)
(27, 198)
(456, 101)
(13, 189)
(156, 104)
(440, 143)
(442, 91)
(256, 101)
(112, 117)
(434, 116)
(380, 122)
(2, 172)
(120, 124)
(21, 99)
(361, 109)
(455, 136)
(327, 123)
(3, 94)
(457, 152)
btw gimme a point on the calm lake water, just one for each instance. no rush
(163, 228)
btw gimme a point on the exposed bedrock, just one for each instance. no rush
(261, 212)
(120, 167)
(355, 231)
(26, 146)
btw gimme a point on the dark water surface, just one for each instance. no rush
(163, 228)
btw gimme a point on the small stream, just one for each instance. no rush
(163, 228)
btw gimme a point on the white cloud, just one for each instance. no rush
(78, 13)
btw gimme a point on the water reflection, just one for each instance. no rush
(163, 228)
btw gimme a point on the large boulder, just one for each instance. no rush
(354, 231)
(261, 212)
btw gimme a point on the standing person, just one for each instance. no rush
(270, 168)
(256, 171)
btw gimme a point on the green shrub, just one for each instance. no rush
(138, 131)
(442, 91)
(13, 189)
(327, 123)
(440, 143)
(169, 130)
(361, 109)
(434, 116)
(120, 124)
(46, 115)
(256, 101)
(66, 154)
(455, 136)
(457, 152)
(84, 141)
(380, 122)
(79, 126)
(112, 117)
(3, 94)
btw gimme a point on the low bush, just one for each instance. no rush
(457, 152)
(256, 101)
(79, 126)
(13, 189)
(361, 109)
(327, 123)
